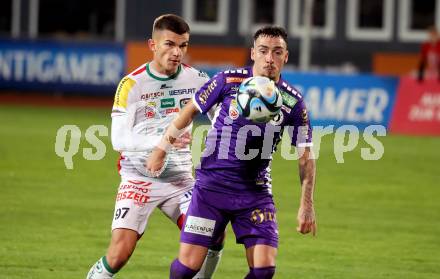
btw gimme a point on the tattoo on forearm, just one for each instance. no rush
(307, 171)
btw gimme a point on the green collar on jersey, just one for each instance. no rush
(173, 76)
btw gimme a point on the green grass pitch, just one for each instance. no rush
(376, 219)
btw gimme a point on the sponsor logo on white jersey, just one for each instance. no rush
(153, 95)
(167, 103)
(182, 91)
(164, 86)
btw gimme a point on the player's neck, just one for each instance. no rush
(159, 71)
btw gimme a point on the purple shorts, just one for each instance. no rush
(252, 216)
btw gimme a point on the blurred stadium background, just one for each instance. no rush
(354, 60)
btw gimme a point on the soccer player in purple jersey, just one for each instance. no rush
(233, 182)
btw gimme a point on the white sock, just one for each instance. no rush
(210, 264)
(100, 270)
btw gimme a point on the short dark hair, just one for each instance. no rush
(172, 23)
(271, 31)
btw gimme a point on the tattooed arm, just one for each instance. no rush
(306, 212)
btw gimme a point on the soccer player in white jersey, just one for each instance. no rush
(146, 102)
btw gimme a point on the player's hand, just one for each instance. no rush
(183, 141)
(156, 161)
(306, 220)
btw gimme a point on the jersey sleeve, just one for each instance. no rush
(121, 101)
(299, 128)
(123, 137)
(209, 94)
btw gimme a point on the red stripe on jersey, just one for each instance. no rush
(119, 163)
(139, 71)
(180, 221)
(186, 65)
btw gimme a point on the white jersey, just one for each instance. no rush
(145, 105)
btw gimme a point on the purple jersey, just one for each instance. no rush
(238, 152)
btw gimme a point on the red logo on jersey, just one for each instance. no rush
(234, 79)
(233, 111)
(171, 110)
(150, 114)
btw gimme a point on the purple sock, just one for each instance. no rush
(180, 271)
(260, 272)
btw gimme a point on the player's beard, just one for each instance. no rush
(270, 72)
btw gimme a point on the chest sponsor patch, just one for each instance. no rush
(167, 103)
(199, 225)
(153, 95)
(234, 79)
(168, 111)
(150, 112)
(288, 100)
(172, 110)
(182, 91)
(151, 104)
(233, 111)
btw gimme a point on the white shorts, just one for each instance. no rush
(136, 200)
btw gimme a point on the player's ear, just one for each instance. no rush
(151, 45)
(252, 54)
(287, 57)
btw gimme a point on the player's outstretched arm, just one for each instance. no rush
(306, 212)
(174, 131)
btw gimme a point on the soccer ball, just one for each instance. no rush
(258, 99)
